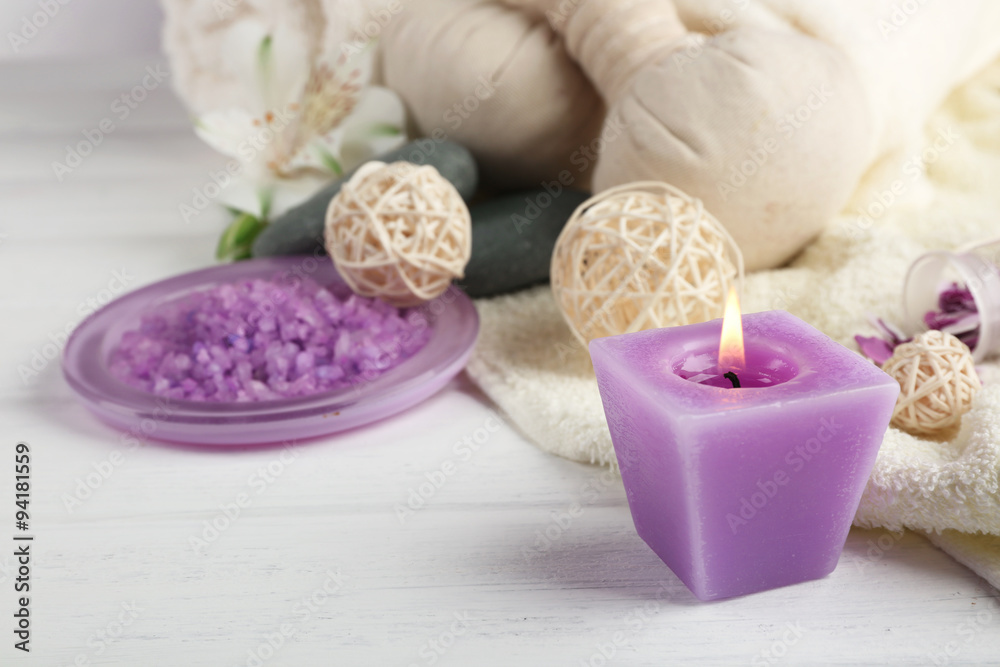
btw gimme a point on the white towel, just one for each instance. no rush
(528, 362)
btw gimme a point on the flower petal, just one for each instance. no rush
(288, 193)
(225, 131)
(875, 349)
(376, 126)
(271, 61)
(956, 298)
(321, 153)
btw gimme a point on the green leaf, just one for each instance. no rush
(329, 161)
(237, 240)
(384, 130)
(242, 253)
(266, 197)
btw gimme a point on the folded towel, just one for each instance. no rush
(936, 196)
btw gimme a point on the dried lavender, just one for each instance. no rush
(956, 314)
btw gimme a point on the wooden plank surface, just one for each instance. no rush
(484, 567)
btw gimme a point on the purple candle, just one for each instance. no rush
(743, 489)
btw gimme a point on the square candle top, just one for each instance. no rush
(742, 490)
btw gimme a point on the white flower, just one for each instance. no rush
(305, 117)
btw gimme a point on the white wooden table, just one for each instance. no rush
(319, 568)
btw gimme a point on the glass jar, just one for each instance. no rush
(972, 267)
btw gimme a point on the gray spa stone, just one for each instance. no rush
(513, 237)
(300, 230)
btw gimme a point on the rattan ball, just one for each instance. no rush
(399, 232)
(640, 256)
(937, 380)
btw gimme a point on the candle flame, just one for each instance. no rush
(731, 342)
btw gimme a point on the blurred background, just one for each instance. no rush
(53, 29)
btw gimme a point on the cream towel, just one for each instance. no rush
(939, 195)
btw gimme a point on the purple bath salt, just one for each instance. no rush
(259, 340)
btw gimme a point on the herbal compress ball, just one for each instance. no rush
(640, 256)
(937, 380)
(399, 232)
(499, 82)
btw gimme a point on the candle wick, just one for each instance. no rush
(731, 376)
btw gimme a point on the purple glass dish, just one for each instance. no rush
(452, 318)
